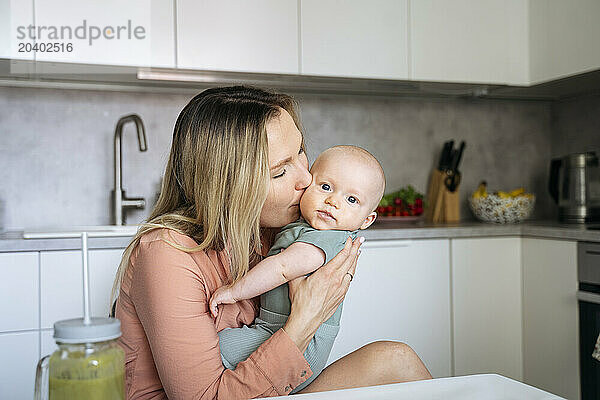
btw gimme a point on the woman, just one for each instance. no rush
(235, 175)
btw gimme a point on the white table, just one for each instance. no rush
(469, 387)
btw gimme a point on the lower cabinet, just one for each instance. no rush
(19, 354)
(19, 291)
(515, 311)
(400, 292)
(486, 297)
(550, 316)
(466, 306)
(103, 267)
(47, 343)
(61, 286)
(38, 290)
(62, 283)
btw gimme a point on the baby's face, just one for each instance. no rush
(342, 194)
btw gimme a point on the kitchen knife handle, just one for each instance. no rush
(555, 165)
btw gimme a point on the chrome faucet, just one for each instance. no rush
(120, 201)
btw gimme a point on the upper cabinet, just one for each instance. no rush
(505, 42)
(482, 41)
(238, 35)
(355, 38)
(15, 17)
(564, 38)
(111, 32)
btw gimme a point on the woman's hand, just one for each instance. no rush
(315, 299)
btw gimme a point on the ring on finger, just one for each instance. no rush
(351, 276)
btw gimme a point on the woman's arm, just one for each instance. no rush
(171, 302)
(296, 260)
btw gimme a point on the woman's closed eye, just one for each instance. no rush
(284, 171)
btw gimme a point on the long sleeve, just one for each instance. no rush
(238, 344)
(171, 300)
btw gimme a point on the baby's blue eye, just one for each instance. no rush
(352, 199)
(325, 186)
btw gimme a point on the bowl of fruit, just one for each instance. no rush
(501, 207)
(405, 204)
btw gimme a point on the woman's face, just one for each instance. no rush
(289, 172)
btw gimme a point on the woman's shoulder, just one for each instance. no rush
(170, 235)
(156, 247)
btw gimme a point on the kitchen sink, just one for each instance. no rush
(75, 231)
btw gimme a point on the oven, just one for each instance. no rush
(588, 271)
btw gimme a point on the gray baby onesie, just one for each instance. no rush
(238, 343)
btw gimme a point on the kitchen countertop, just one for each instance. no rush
(14, 241)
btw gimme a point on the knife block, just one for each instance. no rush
(443, 206)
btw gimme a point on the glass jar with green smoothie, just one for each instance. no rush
(88, 364)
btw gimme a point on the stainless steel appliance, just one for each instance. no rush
(575, 186)
(588, 271)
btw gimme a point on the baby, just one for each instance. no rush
(347, 185)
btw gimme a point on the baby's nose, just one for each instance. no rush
(332, 201)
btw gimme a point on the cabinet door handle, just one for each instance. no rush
(387, 243)
(588, 297)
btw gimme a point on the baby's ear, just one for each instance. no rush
(369, 220)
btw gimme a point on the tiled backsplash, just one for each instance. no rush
(56, 146)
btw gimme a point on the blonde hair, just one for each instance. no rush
(217, 176)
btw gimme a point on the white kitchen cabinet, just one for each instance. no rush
(355, 38)
(47, 343)
(19, 287)
(19, 354)
(238, 35)
(132, 33)
(400, 292)
(550, 316)
(15, 17)
(487, 309)
(103, 267)
(563, 38)
(61, 286)
(62, 283)
(482, 41)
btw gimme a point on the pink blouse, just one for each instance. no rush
(170, 338)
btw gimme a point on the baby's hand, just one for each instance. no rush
(222, 295)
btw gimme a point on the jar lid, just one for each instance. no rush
(75, 331)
